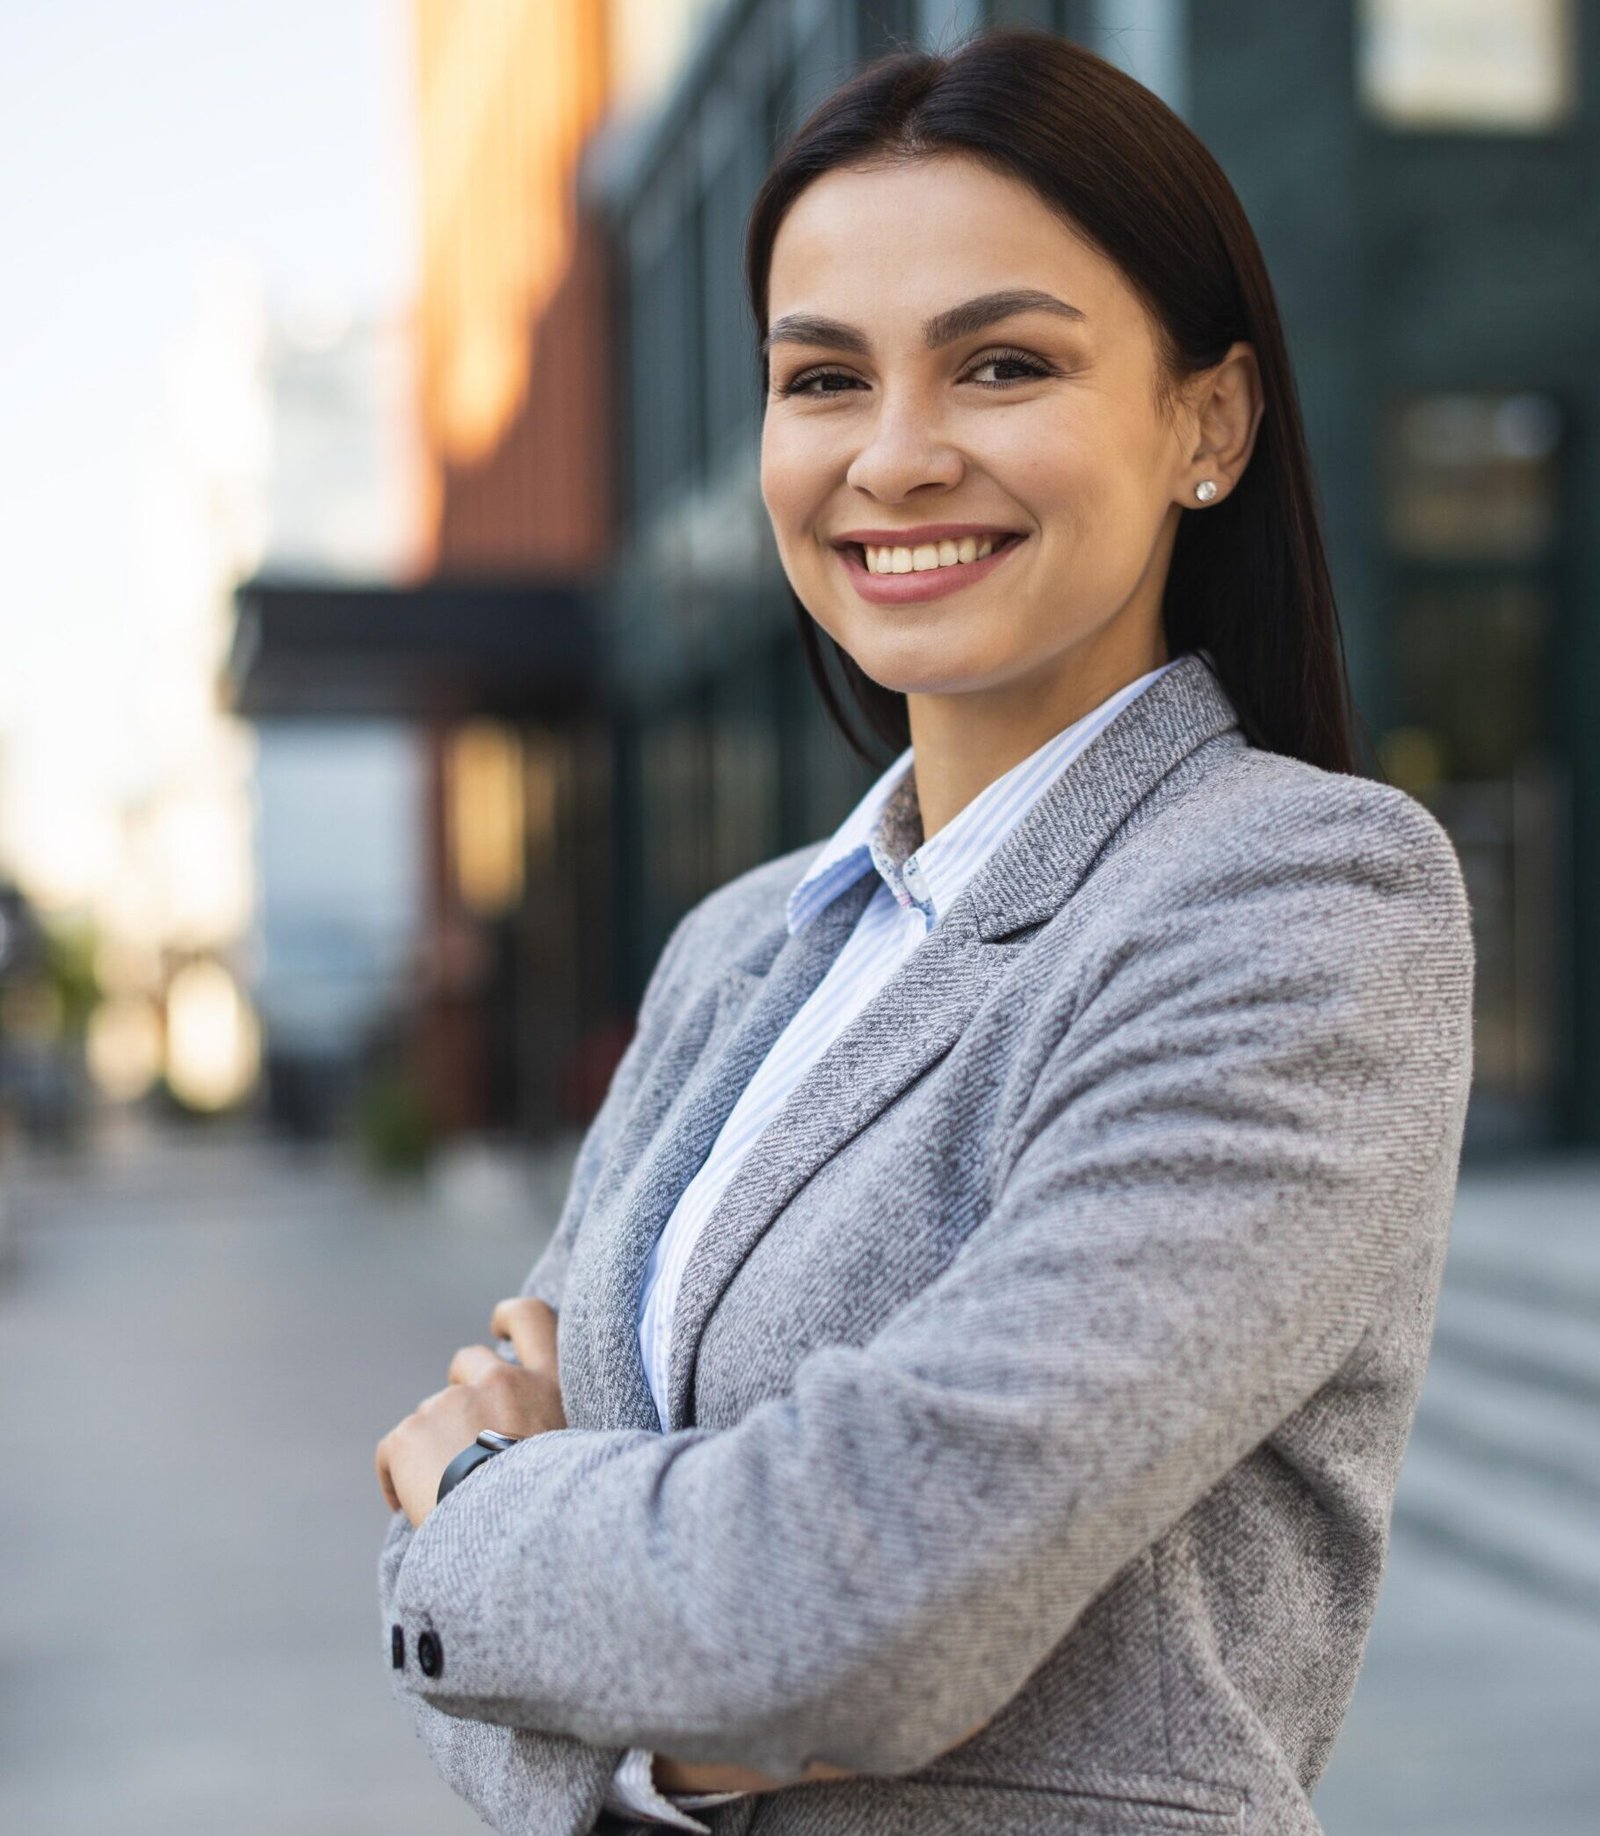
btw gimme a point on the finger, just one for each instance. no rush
(530, 1325)
(391, 1497)
(473, 1362)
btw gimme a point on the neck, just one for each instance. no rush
(962, 742)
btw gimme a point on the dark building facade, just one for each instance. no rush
(1432, 231)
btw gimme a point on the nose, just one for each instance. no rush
(904, 451)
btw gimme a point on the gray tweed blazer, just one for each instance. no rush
(1047, 1365)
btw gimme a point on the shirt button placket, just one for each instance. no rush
(916, 883)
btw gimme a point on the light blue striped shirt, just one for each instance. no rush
(920, 879)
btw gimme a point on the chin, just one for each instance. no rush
(924, 675)
(909, 661)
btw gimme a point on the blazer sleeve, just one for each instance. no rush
(521, 1779)
(1253, 1105)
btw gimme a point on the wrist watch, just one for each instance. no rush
(488, 1444)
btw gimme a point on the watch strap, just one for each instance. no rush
(467, 1461)
(490, 1441)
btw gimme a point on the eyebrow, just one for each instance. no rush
(943, 328)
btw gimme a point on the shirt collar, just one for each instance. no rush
(884, 830)
(848, 853)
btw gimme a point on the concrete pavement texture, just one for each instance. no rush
(203, 1334)
(200, 1343)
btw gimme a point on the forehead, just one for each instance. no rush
(877, 245)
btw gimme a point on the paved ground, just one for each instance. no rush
(1478, 1706)
(201, 1339)
(199, 1347)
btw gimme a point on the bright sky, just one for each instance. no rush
(138, 141)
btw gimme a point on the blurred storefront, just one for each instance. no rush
(335, 779)
(517, 412)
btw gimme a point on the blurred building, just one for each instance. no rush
(1422, 179)
(485, 648)
(170, 898)
(338, 792)
(1442, 312)
(1421, 176)
(518, 412)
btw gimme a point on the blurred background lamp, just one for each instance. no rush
(213, 1042)
(124, 1047)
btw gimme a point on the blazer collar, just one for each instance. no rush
(1043, 861)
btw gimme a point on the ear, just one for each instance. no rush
(1227, 404)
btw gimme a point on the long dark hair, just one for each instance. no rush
(1249, 581)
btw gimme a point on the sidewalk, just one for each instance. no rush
(200, 1344)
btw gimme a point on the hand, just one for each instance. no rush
(668, 1774)
(484, 1391)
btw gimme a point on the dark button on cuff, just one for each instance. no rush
(430, 1653)
(397, 1647)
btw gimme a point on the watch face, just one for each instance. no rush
(495, 1441)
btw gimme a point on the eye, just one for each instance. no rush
(801, 384)
(1032, 369)
(819, 381)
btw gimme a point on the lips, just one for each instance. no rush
(930, 583)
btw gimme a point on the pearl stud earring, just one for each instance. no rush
(1206, 490)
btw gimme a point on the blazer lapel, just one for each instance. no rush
(704, 1067)
(921, 1011)
(1041, 863)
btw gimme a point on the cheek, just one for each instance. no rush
(1051, 469)
(792, 478)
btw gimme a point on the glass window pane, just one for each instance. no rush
(677, 802)
(1472, 477)
(1470, 661)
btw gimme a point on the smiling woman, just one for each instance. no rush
(966, 1386)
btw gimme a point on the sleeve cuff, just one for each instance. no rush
(632, 1793)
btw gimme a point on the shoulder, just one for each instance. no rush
(1261, 824)
(753, 901)
(722, 923)
(1280, 892)
(1270, 936)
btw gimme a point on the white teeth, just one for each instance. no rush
(928, 555)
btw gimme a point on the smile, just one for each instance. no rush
(926, 555)
(898, 575)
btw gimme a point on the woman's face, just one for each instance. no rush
(904, 412)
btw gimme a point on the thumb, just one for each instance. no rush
(530, 1325)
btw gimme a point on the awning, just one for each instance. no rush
(436, 649)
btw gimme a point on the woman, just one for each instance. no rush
(993, 1296)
